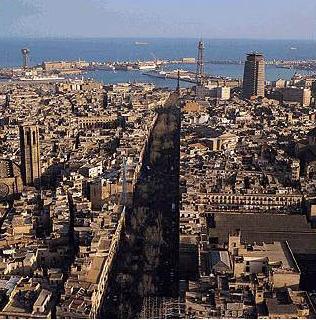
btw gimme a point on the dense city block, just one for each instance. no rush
(128, 200)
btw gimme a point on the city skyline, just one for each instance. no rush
(210, 19)
(157, 159)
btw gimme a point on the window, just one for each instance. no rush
(28, 138)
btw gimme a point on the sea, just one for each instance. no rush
(125, 49)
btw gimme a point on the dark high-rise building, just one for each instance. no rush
(313, 89)
(254, 76)
(30, 155)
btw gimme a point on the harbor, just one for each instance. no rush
(157, 69)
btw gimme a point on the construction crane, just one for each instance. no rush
(158, 65)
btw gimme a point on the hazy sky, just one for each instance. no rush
(272, 19)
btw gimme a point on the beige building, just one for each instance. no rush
(267, 201)
(22, 225)
(221, 93)
(56, 65)
(101, 190)
(280, 83)
(226, 141)
(28, 300)
(10, 179)
(274, 259)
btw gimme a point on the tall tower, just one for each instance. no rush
(26, 58)
(8, 99)
(254, 76)
(178, 82)
(30, 155)
(200, 63)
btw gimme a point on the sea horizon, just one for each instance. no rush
(124, 49)
(150, 37)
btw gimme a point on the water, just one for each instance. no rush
(125, 49)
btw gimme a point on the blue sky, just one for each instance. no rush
(268, 19)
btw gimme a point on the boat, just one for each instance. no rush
(156, 74)
(146, 66)
(140, 43)
(293, 48)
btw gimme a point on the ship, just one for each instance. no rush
(140, 43)
(156, 74)
(146, 66)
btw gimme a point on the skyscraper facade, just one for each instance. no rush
(254, 76)
(30, 155)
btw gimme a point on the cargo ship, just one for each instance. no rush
(146, 66)
(140, 43)
(156, 74)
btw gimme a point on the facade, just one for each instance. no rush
(254, 76)
(30, 154)
(56, 65)
(221, 93)
(300, 95)
(10, 179)
(226, 141)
